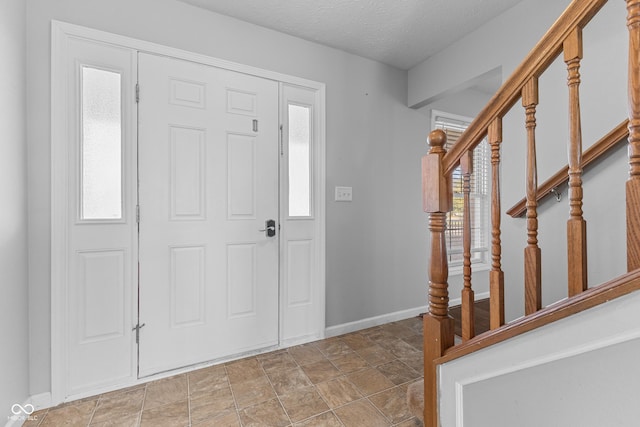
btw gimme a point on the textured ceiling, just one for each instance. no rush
(401, 33)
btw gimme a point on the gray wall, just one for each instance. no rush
(375, 245)
(14, 325)
(502, 42)
(603, 103)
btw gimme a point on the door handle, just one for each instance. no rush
(269, 228)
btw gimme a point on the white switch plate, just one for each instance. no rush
(344, 194)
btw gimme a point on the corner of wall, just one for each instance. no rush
(14, 325)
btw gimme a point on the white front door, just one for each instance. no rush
(208, 182)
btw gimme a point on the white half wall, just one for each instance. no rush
(14, 320)
(579, 371)
(376, 244)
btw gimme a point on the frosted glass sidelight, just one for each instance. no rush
(101, 195)
(299, 160)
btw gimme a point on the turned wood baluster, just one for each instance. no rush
(438, 325)
(496, 275)
(532, 265)
(467, 318)
(576, 225)
(633, 183)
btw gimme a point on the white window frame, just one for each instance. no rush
(480, 254)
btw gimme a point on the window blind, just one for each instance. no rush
(478, 198)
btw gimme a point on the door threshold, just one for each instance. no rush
(209, 363)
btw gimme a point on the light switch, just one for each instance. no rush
(344, 194)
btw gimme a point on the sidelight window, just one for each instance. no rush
(101, 145)
(299, 149)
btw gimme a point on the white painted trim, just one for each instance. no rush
(370, 322)
(321, 222)
(532, 363)
(11, 422)
(59, 214)
(66, 29)
(457, 270)
(41, 401)
(60, 33)
(566, 338)
(459, 405)
(552, 357)
(452, 116)
(17, 420)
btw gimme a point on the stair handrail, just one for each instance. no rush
(622, 285)
(600, 148)
(577, 15)
(564, 36)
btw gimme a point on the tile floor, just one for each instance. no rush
(354, 380)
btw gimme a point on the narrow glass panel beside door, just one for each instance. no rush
(101, 145)
(299, 160)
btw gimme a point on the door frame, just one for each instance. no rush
(61, 32)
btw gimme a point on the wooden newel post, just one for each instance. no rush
(633, 184)
(438, 325)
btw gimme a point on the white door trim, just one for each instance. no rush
(61, 32)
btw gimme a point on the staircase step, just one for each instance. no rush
(482, 318)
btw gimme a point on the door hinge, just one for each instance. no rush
(255, 125)
(281, 142)
(138, 214)
(137, 92)
(137, 329)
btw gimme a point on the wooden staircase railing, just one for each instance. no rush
(564, 37)
(590, 155)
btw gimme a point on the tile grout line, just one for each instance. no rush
(315, 387)
(188, 398)
(274, 389)
(233, 395)
(378, 409)
(345, 375)
(144, 398)
(43, 417)
(95, 408)
(368, 397)
(395, 342)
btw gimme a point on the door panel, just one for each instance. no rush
(208, 180)
(302, 271)
(99, 216)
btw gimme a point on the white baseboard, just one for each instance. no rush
(14, 421)
(370, 322)
(477, 297)
(41, 401)
(23, 412)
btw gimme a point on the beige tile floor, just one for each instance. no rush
(354, 380)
